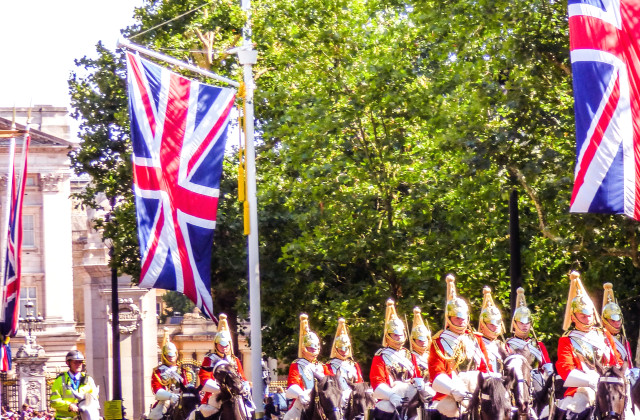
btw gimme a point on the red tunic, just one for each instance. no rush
(569, 360)
(296, 378)
(160, 380)
(379, 372)
(206, 374)
(421, 370)
(438, 364)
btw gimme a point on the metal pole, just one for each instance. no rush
(130, 45)
(248, 57)
(515, 267)
(115, 321)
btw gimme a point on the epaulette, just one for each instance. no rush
(566, 333)
(437, 335)
(379, 352)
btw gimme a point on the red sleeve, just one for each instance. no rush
(484, 363)
(327, 371)
(416, 369)
(155, 381)
(327, 366)
(294, 377)
(204, 374)
(240, 369)
(615, 358)
(378, 372)
(358, 374)
(629, 358)
(545, 353)
(566, 361)
(437, 364)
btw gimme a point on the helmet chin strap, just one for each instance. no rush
(581, 326)
(394, 344)
(484, 329)
(613, 330)
(456, 329)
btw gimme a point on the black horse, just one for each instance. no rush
(325, 400)
(490, 400)
(360, 401)
(235, 401)
(189, 401)
(611, 394)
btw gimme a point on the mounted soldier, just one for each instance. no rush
(456, 356)
(222, 354)
(341, 363)
(492, 328)
(391, 367)
(165, 380)
(419, 344)
(303, 370)
(583, 346)
(613, 323)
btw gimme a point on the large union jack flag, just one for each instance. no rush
(178, 130)
(605, 62)
(13, 256)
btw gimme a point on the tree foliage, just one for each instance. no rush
(391, 134)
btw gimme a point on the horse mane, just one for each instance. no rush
(496, 387)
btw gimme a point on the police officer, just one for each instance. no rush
(62, 397)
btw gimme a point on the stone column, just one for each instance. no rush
(30, 368)
(57, 245)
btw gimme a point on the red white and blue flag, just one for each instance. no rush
(178, 131)
(13, 257)
(606, 82)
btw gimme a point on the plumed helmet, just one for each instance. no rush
(521, 314)
(455, 307)
(393, 325)
(223, 336)
(419, 332)
(610, 309)
(74, 355)
(168, 348)
(341, 342)
(578, 301)
(490, 315)
(307, 339)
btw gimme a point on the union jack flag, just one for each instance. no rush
(178, 130)
(606, 82)
(13, 257)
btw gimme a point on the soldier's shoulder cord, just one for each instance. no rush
(379, 352)
(437, 335)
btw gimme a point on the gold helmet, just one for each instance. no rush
(223, 337)
(578, 301)
(308, 339)
(393, 325)
(456, 307)
(610, 310)
(490, 315)
(169, 350)
(521, 314)
(419, 332)
(341, 343)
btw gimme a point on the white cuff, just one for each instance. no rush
(163, 395)
(577, 378)
(293, 392)
(211, 386)
(382, 392)
(443, 384)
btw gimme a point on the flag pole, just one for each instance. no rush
(125, 43)
(248, 57)
(7, 215)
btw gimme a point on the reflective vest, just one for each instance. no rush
(62, 397)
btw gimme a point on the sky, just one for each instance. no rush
(39, 40)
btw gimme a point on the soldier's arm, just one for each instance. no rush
(565, 363)
(378, 374)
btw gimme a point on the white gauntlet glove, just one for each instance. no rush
(578, 378)
(305, 397)
(445, 385)
(383, 392)
(419, 384)
(163, 395)
(175, 398)
(458, 395)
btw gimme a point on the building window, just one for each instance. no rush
(28, 294)
(31, 181)
(28, 231)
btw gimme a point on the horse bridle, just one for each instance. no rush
(520, 381)
(613, 380)
(320, 409)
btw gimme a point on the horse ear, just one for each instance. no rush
(199, 388)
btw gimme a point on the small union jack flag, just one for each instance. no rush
(178, 130)
(13, 257)
(606, 83)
